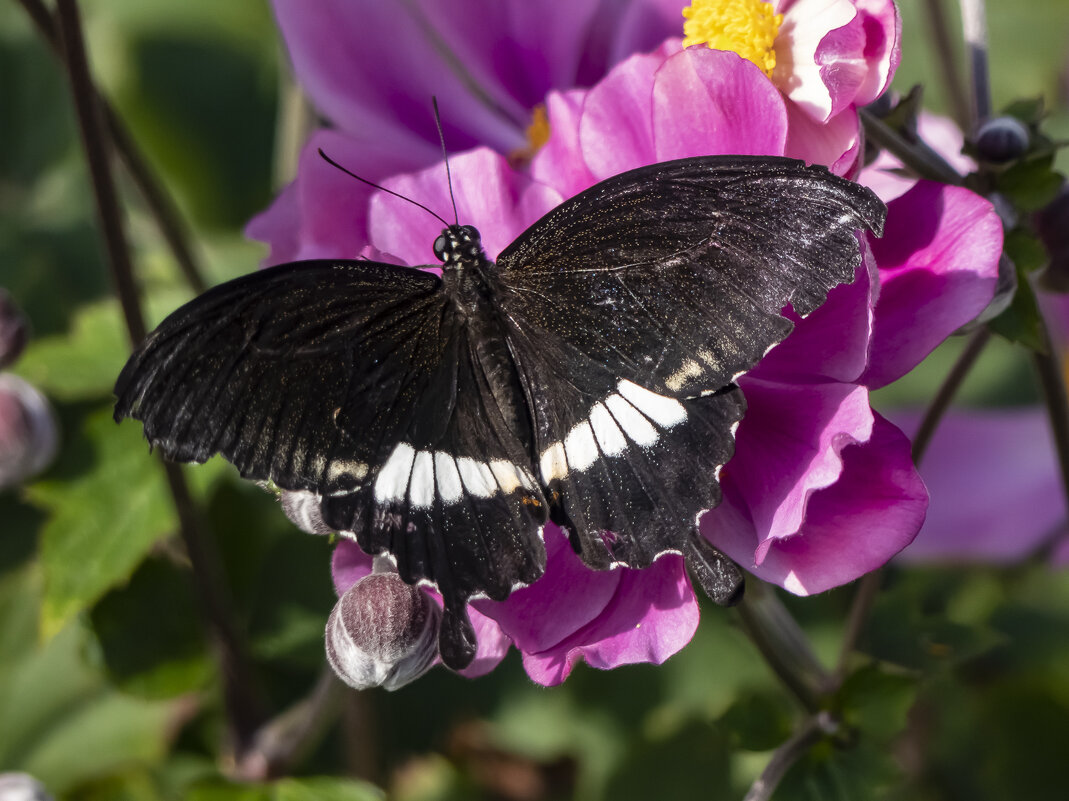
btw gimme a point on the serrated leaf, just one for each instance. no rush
(102, 522)
(83, 363)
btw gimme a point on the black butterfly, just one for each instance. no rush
(586, 378)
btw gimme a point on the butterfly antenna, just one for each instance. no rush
(333, 163)
(445, 157)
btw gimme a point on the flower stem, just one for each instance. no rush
(945, 54)
(1052, 384)
(974, 26)
(237, 682)
(784, 646)
(917, 156)
(159, 203)
(812, 731)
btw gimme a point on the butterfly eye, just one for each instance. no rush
(440, 246)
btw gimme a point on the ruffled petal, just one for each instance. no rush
(995, 484)
(806, 23)
(560, 163)
(835, 143)
(853, 527)
(788, 446)
(938, 263)
(652, 615)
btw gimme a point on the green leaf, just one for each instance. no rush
(758, 721)
(102, 521)
(1021, 322)
(83, 363)
(1031, 183)
(877, 702)
(313, 788)
(150, 633)
(63, 725)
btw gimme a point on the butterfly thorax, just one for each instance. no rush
(465, 271)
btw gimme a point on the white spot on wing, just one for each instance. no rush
(448, 478)
(421, 487)
(553, 464)
(392, 481)
(580, 446)
(477, 478)
(346, 468)
(610, 439)
(508, 476)
(637, 427)
(666, 412)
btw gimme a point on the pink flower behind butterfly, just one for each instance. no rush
(821, 489)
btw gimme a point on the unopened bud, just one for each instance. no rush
(28, 434)
(302, 508)
(1002, 139)
(382, 633)
(22, 787)
(13, 330)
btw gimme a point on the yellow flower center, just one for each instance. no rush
(537, 135)
(746, 27)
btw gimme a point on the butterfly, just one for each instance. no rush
(587, 377)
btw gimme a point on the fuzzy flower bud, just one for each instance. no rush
(13, 330)
(302, 508)
(28, 435)
(382, 632)
(1002, 139)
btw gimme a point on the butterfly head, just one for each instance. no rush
(457, 244)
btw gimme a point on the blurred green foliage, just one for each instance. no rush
(109, 686)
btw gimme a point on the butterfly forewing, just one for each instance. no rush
(630, 310)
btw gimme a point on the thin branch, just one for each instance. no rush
(864, 598)
(948, 389)
(917, 156)
(812, 731)
(944, 50)
(236, 675)
(1052, 384)
(784, 646)
(281, 742)
(159, 203)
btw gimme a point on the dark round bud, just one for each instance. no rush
(22, 787)
(28, 433)
(302, 508)
(382, 633)
(1002, 139)
(14, 330)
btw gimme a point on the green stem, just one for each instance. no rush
(812, 731)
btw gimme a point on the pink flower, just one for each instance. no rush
(371, 69)
(821, 489)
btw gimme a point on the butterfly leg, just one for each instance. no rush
(714, 572)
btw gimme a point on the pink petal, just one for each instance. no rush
(560, 162)
(788, 446)
(995, 485)
(348, 564)
(652, 616)
(797, 73)
(835, 143)
(938, 263)
(832, 343)
(885, 175)
(497, 200)
(567, 597)
(712, 101)
(851, 528)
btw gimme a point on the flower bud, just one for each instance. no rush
(13, 330)
(22, 787)
(28, 435)
(1002, 139)
(302, 508)
(382, 632)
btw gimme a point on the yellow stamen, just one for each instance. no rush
(537, 136)
(746, 27)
